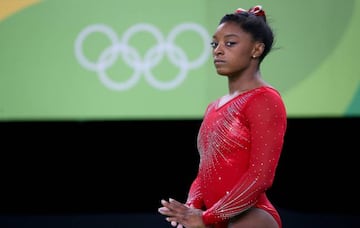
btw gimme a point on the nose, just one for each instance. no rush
(218, 50)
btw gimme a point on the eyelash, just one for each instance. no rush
(213, 44)
(228, 44)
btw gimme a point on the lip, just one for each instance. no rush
(218, 61)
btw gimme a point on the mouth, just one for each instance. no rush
(218, 61)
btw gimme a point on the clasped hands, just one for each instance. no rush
(181, 215)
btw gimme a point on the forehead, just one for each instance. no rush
(229, 29)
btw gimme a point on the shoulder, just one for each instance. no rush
(265, 97)
(266, 92)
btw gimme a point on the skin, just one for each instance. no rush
(236, 55)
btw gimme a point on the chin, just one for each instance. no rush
(222, 73)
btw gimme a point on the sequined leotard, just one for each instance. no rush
(239, 144)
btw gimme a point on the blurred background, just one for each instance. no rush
(101, 101)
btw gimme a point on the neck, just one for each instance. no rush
(245, 82)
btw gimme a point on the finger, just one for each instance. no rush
(173, 201)
(164, 202)
(176, 205)
(164, 211)
(172, 221)
(167, 207)
(172, 206)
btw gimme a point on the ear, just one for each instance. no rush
(258, 49)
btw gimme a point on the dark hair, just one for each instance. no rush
(256, 25)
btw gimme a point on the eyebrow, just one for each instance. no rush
(229, 35)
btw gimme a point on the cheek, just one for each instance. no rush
(246, 52)
(243, 55)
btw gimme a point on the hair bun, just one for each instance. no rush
(256, 10)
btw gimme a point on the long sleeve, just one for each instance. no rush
(265, 118)
(194, 196)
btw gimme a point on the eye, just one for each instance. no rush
(214, 44)
(229, 43)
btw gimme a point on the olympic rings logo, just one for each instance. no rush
(142, 65)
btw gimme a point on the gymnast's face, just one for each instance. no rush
(233, 49)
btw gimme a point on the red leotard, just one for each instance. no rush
(239, 144)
